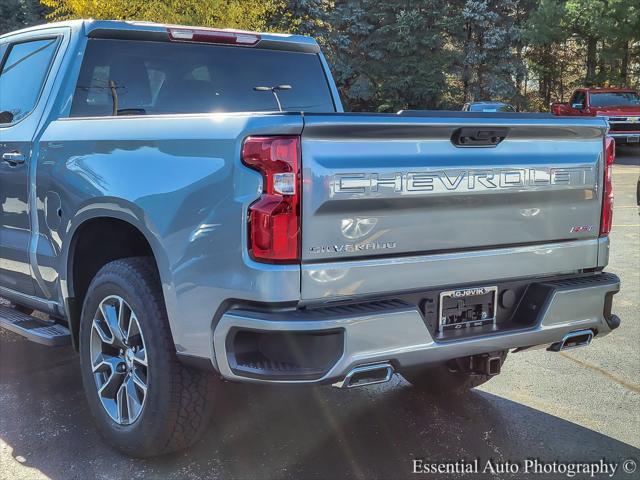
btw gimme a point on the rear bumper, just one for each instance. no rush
(394, 331)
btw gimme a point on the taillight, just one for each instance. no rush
(274, 219)
(607, 201)
(205, 35)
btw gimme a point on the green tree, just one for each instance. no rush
(622, 43)
(385, 56)
(244, 14)
(572, 43)
(487, 36)
(306, 17)
(546, 36)
(590, 20)
(17, 14)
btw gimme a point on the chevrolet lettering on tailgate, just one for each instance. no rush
(441, 181)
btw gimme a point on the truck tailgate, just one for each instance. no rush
(397, 186)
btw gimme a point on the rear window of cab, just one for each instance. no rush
(124, 77)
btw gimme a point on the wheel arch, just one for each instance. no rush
(103, 224)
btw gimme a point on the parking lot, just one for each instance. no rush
(582, 405)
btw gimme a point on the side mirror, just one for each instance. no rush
(577, 106)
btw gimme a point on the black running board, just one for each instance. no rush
(34, 329)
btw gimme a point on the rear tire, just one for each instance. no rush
(446, 378)
(151, 404)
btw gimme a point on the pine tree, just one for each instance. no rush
(487, 36)
(546, 36)
(389, 56)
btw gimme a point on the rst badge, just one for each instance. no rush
(581, 228)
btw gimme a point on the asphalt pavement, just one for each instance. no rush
(577, 406)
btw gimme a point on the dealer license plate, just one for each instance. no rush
(467, 308)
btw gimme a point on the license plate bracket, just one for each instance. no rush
(467, 308)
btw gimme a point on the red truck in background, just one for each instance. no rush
(621, 107)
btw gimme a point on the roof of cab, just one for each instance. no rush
(137, 29)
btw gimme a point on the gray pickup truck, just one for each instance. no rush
(191, 204)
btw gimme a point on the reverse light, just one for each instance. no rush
(206, 35)
(274, 219)
(606, 219)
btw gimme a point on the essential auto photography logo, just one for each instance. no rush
(530, 466)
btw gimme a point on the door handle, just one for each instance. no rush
(14, 158)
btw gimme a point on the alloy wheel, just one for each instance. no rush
(119, 360)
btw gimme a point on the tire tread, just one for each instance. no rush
(189, 390)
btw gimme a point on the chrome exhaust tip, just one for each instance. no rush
(579, 338)
(366, 375)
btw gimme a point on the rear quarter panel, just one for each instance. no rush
(180, 182)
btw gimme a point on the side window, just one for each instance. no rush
(578, 97)
(24, 70)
